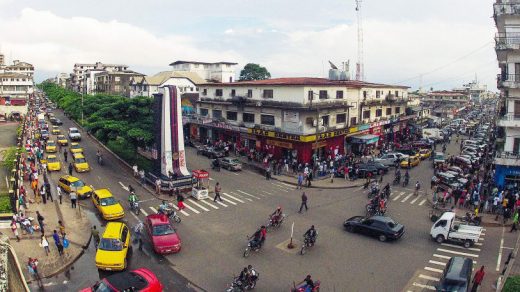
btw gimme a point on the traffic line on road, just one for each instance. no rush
(247, 194)
(241, 196)
(428, 277)
(458, 252)
(460, 247)
(222, 204)
(413, 201)
(211, 178)
(191, 208)
(423, 286)
(230, 196)
(227, 200)
(437, 263)
(154, 210)
(267, 192)
(135, 216)
(422, 202)
(291, 186)
(144, 212)
(209, 204)
(433, 270)
(123, 186)
(398, 196)
(198, 205)
(447, 257)
(406, 198)
(282, 186)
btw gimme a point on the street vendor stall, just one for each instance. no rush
(200, 188)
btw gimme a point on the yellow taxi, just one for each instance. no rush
(113, 247)
(62, 140)
(75, 148)
(55, 130)
(70, 183)
(51, 147)
(425, 153)
(80, 163)
(414, 161)
(107, 205)
(53, 164)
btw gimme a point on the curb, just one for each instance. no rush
(318, 187)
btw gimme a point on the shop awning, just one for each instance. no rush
(365, 139)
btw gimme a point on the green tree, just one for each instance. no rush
(254, 72)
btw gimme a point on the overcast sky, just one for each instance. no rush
(448, 42)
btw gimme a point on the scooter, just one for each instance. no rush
(134, 206)
(238, 286)
(271, 224)
(307, 243)
(252, 245)
(170, 212)
(302, 287)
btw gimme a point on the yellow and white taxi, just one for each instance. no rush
(62, 140)
(55, 130)
(75, 148)
(80, 163)
(53, 164)
(113, 247)
(51, 147)
(107, 205)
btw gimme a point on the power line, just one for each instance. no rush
(462, 75)
(448, 64)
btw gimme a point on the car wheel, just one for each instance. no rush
(439, 238)
(350, 228)
(382, 238)
(468, 243)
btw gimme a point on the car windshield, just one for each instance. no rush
(51, 159)
(452, 285)
(439, 157)
(81, 160)
(75, 146)
(61, 137)
(234, 161)
(163, 229)
(51, 144)
(102, 287)
(110, 244)
(77, 184)
(108, 201)
(74, 131)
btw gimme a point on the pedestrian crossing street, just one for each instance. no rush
(426, 278)
(406, 197)
(230, 198)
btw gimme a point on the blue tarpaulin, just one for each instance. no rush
(365, 139)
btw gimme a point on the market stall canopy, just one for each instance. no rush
(200, 174)
(365, 139)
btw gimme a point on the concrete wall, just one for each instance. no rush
(6, 110)
(11, 275)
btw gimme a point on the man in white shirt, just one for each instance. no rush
(58, 190)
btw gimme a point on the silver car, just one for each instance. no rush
(230, 163)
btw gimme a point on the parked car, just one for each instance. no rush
(69, 183)
(388, 159)
(163, 235)
(210, 152)
(446, 181)
(381, 168)
(142, 280)
(230, 163)
(439, 158)
(74, 134)
(113, 247)
(80, 162)
(384, 228)
(107, 205)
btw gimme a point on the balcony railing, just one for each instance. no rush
(511, 117)
(510, 8)
(507, 155)
(508, 80)
(507, 41)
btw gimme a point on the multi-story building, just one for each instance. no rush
(507, 47)
(15, 85)
(2, 60)
(20, 68)
(221, 72)
(446, 97)
(184, 81)
(115, 82)
(300, 117)
(61, 79)
(80, 73)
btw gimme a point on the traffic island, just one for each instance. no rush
(284, 245)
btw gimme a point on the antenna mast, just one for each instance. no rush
(360, 67)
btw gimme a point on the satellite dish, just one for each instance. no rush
(332, 65)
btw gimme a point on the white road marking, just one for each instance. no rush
(234, 173)
(220, 203)
(247, 194)
(446, 257)
(422, 202)
(437, 263)
(499, 259)
(424, 286)
(234, 198)
(483, 234)
(460, 247)
(479, 244)
(413, 201)
(211, 205)
(154, 210)
(291, 186)
(481, 239)
(123, 186)
(198, 205)
(406, 198)
(231, 202)
(241, 196)
(191, 208)
(211, 178)
(398, 196)
(428, 277)
(282, 186)
(433, 270)
(135, 216)
(458, 252)
(144, 212)
(267, 192)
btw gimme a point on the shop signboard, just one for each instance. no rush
(281, 144)
(291, 117)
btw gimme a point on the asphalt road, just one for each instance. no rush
(214, 234)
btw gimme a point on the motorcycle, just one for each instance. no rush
(406, 181)
(215, 166)
(397, 180)
(170, 212)
(272, 224)
(238, 285)
(471, 219)
(134, 206)
(301, 288)
(307, 243)
(252, 245)
(373, 192)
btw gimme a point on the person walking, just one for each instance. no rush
(70, 168)
(43, 194)
(171, 188)
(180, 200)
(304, 203)
(14, 228)
(65, 154)
(142, 177)
(57, 242)
(45, 244)
(62, 229)
(515, 221)
(136, 171)
(32, 266)
(218, 189)
(477, 280)
(300, 181)
(73, 199)
(138, 230)
(40, 219)
(48, 192)
(95, 236)
(58, 190)
(158, 186)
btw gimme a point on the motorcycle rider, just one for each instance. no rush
(417, 188)
(163, 208)
(308, 284)
(386, 190)
(277, 215)
(99, 156)
(259, 237)
(215, 163)
(311, 234)
(244, 276)
(252, 274)
(132, 199)
(397, 175)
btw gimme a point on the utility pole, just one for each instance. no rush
(360, 66)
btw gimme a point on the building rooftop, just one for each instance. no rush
(161, 77)
(306, 81)
(126, 72)
(202, 63)
(13, 75)
(446, 93)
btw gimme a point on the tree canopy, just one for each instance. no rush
(254, 72)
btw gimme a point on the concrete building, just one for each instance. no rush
(61, 79)
(115, 82)
(446, 97)
(2, 60)
(299, 117)
(19, 67)
(79, 73)
(474, 90)
(185, 81)
(507, 47)
(15, 85)
(221, 72)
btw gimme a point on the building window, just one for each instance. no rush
(203, 112)
(217, 114)
(353, 121)
(267, 120)
(379, 112)
(250, 93)
(323, 94)
(325, 121)
(268, 93)
(388, 111)
(205, 91)
(231, 116)
(366, 114)
(397, 110)
(364, 94)
(233, 92)
(396, 93)
(248, 117)
(378, 94)
(218, 92)
(341, 118)
(310, 95)
(339, 94)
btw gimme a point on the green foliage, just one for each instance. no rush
(8, 158)
(5, 204)
(512, 284)
(254, 72)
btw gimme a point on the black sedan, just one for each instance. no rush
(56, 121)
(210, 152)
(384, 228)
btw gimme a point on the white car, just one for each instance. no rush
(74, 134)
(388, 159)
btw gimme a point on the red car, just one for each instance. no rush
(142, 280)
(162, 234)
